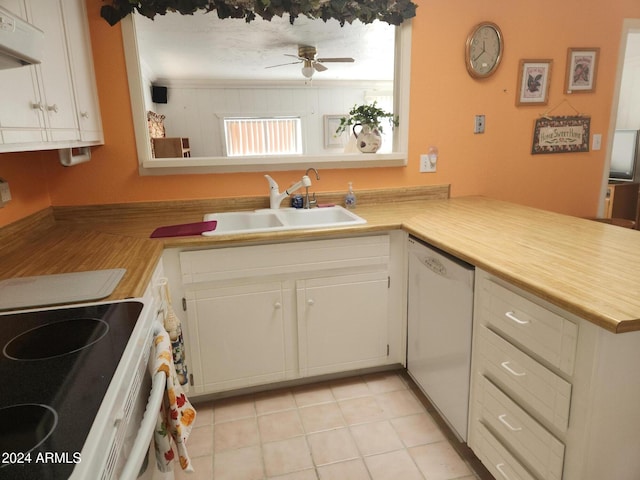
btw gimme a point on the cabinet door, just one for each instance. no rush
(21, 119)
(81, 59)
(342, 322)
(237, 336)
(56, 87)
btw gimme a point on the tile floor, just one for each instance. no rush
(370, 427)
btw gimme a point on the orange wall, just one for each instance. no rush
(27, 179)
(444, 100)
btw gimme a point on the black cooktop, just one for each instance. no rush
(55, 368)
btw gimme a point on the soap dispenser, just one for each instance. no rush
(350, 198)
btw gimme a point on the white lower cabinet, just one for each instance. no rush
(238, 334)
(497, 458)
(342, 322)
(553, 396)
(262, 314)
(519, 399)
(520, 431)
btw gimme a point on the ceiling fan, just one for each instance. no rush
(307, 56)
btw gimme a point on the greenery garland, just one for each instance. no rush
(393, 12)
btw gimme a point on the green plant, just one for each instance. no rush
(370, 115)
(393, 12)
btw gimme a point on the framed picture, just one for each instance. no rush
(331, 138)
(582, 68)
(566, 134)
(533, 84)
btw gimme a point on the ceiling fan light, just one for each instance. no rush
(307, 70)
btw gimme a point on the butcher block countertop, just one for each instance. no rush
(66, 249)
(588, 268)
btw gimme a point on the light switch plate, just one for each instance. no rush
(596, 143)
(5, 193)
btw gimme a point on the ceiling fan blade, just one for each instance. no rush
(283, 64)
(319, 67)
(294, 56)
(337, 59)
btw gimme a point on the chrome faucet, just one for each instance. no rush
(310, 202)
(275, 197)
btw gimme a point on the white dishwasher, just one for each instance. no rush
(440, 312)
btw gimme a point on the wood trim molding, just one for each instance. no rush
(194, 208)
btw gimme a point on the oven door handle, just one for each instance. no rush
(143, 440)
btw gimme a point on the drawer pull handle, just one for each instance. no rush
(512, 316)
(500, 467)
(507, 424)
(506, 366)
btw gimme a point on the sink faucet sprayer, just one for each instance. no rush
(275, 197)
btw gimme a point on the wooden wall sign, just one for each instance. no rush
(561, 135)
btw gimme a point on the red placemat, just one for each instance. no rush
(184, 229)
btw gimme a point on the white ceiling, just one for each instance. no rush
(203, 47)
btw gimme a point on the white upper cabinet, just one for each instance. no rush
(53, 104)
(82, 72)
(21, 119)
(56, 90)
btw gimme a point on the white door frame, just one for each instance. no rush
(629, 25)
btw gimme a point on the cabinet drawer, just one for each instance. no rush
(497, 459)
(284, 258)
(526, 380)
(520, 432)
(541, 331)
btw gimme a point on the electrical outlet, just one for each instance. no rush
(425, 164)
(479, 125)
(429, 161)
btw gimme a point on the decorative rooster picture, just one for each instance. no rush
(534, 83)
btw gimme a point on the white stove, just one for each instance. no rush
(74, 386)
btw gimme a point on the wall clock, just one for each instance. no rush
(483, 50)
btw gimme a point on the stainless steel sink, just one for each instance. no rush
(273, 220)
